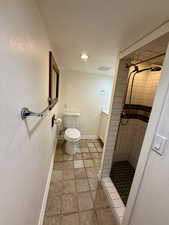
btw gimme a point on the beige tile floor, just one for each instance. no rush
(75, 195)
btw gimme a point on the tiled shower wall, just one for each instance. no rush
(129, 147)
(131, 136)
(130, 139)
(118, 95)
(144, 87)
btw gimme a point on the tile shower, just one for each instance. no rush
(132, 130)
(123, 145)
(131, 135)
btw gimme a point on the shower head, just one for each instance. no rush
(156, 68)
(153, 69)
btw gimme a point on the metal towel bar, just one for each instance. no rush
(25, 112)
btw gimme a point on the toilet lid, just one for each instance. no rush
(72, 134)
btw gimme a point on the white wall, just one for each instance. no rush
(81, 92)
(25, 147)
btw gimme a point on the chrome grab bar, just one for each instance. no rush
(25, 112)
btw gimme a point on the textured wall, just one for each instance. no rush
(25, 147)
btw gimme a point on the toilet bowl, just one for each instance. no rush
(72, 138)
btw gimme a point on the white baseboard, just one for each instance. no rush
(89, 137)
(45, 197)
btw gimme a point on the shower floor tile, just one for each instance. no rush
(122, 174)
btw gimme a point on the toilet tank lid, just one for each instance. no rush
(71, 114)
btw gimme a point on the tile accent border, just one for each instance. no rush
(140, 112)
(116, 204)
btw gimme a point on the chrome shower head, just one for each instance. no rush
(153, 69)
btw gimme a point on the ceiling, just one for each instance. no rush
(100, 28)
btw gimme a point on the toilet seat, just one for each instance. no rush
(72, 134)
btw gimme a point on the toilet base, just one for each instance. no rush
(72, 148)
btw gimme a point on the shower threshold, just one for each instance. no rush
(117, 190)
(116, 204)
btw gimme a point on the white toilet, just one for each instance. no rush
(72, 133)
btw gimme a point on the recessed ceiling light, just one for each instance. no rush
(84, 56)
(104, 68)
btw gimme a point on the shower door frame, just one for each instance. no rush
(114, 119)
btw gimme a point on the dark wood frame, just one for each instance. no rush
(53, 66)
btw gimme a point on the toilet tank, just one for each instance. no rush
(71, 120)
